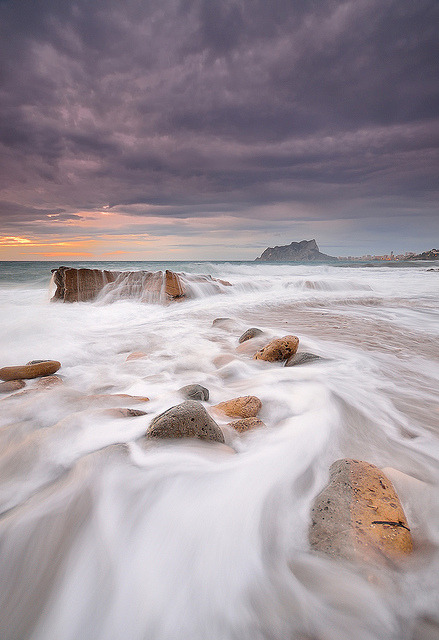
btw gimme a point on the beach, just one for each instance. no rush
(108, 535)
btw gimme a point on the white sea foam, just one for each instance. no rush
(105, 538)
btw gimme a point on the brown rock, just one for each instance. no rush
(28, 371)
(186, 420)
(11, 385)
(83, 285)
(246, 424)
(243, 407)
(249, 334)
(279, 349)
(359, 517)
(173, 285)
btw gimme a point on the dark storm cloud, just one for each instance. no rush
(203, 106)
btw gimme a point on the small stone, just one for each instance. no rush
(279, 349)
(195, 392)
(302, 358)
(249, 334)
(186, 420)
(11, 385)
(246, 424)
(29, 371)
(242, 407)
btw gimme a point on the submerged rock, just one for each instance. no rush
(279, 349)
(249, 334)
(11, 385)
(48, 382)
(246, 424)
(302, 358)
(123, 412)
(136, 355)
(195, 392)
(359, 517)
(186, 420)
(26, 372)
(243, 407)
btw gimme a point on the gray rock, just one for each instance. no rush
(195, 392)
(250, 333)
(186, 420)
(302, 357)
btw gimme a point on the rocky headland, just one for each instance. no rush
(303, 251)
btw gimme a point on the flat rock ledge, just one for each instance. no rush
(84, 285)
(186, 420)
(358, 516)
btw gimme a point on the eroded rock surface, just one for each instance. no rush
(359, 517)
(83, 285)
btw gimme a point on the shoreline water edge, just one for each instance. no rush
(247, 450)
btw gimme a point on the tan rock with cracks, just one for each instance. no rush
(243, 407)
(278, 350)
(359, 517)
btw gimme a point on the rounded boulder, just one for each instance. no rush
(278, 350)
(242, 407)
(186, 420)
(358, 516)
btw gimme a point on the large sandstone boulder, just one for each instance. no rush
(26, 372)
(186, 420)
(83, 285)
(243, 407)
(279, 349)
(359, 517)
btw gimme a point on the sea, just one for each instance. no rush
(105, 535)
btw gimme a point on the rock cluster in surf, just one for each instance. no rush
(357, 517)
(84, 285)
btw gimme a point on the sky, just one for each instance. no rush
(211, 129)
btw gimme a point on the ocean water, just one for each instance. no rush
(104, 537)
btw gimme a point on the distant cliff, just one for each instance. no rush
(304, 251)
